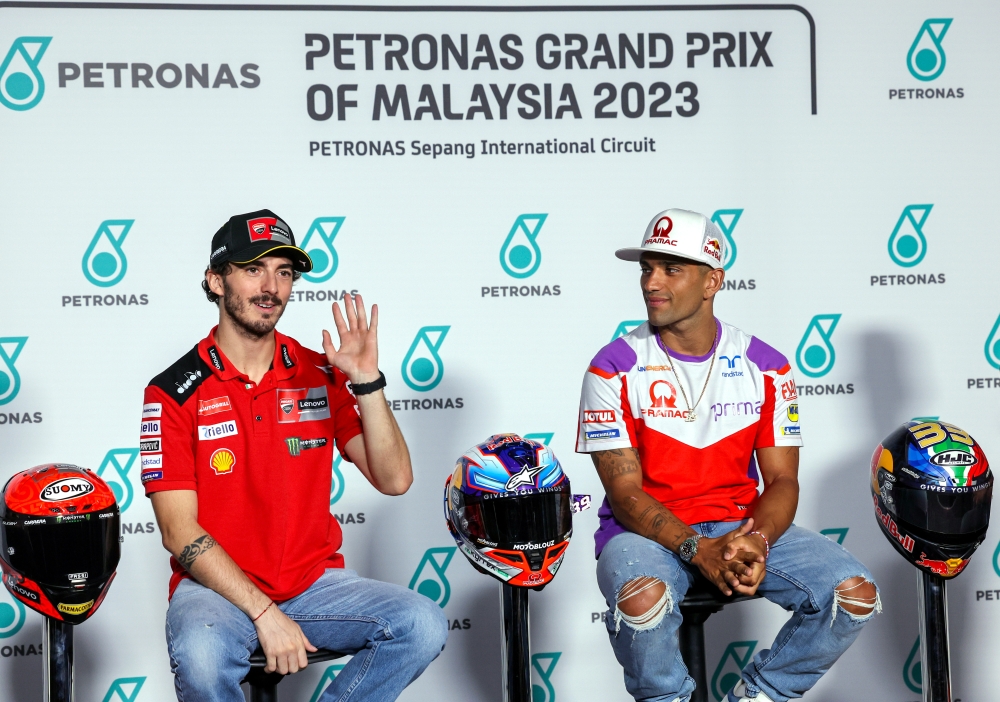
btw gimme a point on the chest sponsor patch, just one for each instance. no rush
(149, 446)
(302, 405)
(150, 428)
(222, 461)
(297, 445)
(207, 432)
(152, 410)
(214, 406)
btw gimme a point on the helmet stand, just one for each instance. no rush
(516, 644)
(935, 658)
(58, 661)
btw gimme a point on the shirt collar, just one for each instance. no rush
(283, 366)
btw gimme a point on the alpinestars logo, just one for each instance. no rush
(429, 578)
(523, 478)
(21, 83)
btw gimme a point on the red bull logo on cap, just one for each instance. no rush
(714, 249)
(661, 233)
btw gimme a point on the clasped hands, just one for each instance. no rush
(733, 562)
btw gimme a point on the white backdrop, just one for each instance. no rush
(811, 196)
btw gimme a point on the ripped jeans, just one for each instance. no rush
(803, 570)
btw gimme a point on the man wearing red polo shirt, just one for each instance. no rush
(237, 444)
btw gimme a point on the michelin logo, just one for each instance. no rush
(603, 434)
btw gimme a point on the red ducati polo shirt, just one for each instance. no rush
(259, 457)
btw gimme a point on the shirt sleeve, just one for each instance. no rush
(605, 421)
(779, 415)
(346, 415)
(166, 444)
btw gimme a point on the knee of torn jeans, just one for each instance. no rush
(643, 603)
(858, 596)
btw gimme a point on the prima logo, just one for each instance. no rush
(337, 483)
(318, 243)
(542, 664)
(726, 220)
(907, 245)
(331, 672)
(926, 59)
(992, 350)
(838, 534)
(12, 614)
(124, 690)
(520, 256)
(104, 262)
(815, 355)
(627, 327)
(21, 83)
(734, 659)
(542, 438)
(912, 673)
(120, 460)
(10, 379)
(429, 578)
(422, 367)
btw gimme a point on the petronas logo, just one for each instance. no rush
(429, 578)
(21, 83)
(124, 690)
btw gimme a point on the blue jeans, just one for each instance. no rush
(803, 570)
(393, 632)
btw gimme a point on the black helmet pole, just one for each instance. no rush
(516, 644)
(58, 645)
(935, 658)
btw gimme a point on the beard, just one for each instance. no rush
(241, 311)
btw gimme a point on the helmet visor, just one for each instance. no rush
(517, 520)
(944, 513)
(58, 551)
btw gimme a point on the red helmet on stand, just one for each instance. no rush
(59, 540)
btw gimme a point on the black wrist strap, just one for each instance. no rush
(366, 388)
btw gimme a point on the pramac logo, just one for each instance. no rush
(662, 396)
(21, 83)
(661, 232)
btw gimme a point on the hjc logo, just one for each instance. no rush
(734, 659)
(627, 327)
(120, 460)
(104, 262)
(815, 355)
(520, 256)
(10, 379)
(726, 220)
(124, 690)
(12, 614)
(543, 664)
(926, 57)
(422, 366)
(21, 84)
(429, 578)
(318, 243)
(659, 397)
(907, 245)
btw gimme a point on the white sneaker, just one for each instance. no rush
(739, 694)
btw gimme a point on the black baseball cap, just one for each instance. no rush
(247, 237)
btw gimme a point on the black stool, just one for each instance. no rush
(264, 686)
(702, 600)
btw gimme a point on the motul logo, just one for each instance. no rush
(598, 416)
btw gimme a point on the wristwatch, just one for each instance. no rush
(689, 548)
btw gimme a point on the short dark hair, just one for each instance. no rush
(223, 269)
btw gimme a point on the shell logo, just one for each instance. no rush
(222, 461)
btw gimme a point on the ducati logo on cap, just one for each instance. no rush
(661, 233)
(270, 228)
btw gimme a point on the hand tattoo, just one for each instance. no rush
(195, 549)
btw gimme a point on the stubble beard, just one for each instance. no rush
(239, 310)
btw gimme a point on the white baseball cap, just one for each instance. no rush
(683, 234)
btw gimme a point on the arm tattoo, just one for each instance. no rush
(195, 549)
(616, 462)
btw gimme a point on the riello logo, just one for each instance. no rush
(21, 83)
(429, 578)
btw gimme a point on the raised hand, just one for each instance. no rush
(357, 357)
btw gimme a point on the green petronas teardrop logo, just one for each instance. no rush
(912, 673)
(627, 327)
(337, 484)
(992, 348)
(544, 438)
(318, 243)
(726, 221)
(907, 245)
(422, 366)
(544, 664)
(104, 262)
(21, 83)
(520, 256)
(10, 379)
(124, 690)
(12, 614)
(119, 460)
(429, 578)
(815, 355)
(727, 674)
(926, 57)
